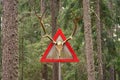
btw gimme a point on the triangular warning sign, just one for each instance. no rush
(67, 54)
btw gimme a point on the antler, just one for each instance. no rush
(41, 23)
(75, 21)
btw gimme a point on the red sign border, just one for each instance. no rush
(74, 59)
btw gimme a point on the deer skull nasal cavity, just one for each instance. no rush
(59, 47)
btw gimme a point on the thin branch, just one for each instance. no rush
(95, 14)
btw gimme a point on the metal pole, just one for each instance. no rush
(59, 72)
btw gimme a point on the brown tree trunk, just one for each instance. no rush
(10, 55)
(45, 72)
(104, 72)
(110, 35)
(54, 8)
(112, 73)
(111, 51)
(99, 49)
(43, 6)
(118, 75)
(88, 40)
(45, 68)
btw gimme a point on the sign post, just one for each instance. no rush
(59, 71)
(59, 52)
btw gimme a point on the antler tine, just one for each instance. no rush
(75, 21)
(40, 19)
(46, 35)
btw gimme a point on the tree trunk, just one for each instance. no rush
(45, 72)
(118, 75)
(45, 68)
(88, 40)
(10, 55)
(104, 71)
(54, 8)
(110, 35)
(0, 51)
(99, 47)
(43, 6)
(112, 73)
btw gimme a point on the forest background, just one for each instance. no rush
(104, 19)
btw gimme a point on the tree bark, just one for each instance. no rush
(45, 72)
(54, 8)
(88, 40)
(118, 75)
(43, 6)
(99, 47)
(45, 68)
(110, 35)
(10, 57)
(112, 73)
(104, 71)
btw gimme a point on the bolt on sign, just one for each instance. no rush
(59, 52)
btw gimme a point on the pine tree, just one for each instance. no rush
(88, 40)
(10, 57)
(54, 8)
(99, 47)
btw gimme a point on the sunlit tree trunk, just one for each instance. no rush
(88, 40)
(54, 8)
(10, 55)
(99, 49)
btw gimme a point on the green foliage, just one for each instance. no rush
(106, 14)
(117, 9)
(69, 12)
